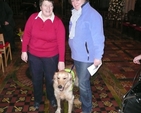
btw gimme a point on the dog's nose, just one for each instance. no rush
(59, 86)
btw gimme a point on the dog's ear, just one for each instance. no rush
(70, 76)
(55, 77)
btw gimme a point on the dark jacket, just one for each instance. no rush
(6, 14)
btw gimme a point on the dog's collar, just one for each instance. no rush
(71, 71)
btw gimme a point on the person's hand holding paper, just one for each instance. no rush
(94, 67)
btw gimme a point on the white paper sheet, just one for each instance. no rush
(93, 69)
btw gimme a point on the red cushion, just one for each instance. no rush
(6, 44)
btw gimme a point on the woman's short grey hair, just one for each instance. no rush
(41, 1)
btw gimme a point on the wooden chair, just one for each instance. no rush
(1, 62)
(5, 49)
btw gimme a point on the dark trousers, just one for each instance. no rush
(43, 68)
(8, 32)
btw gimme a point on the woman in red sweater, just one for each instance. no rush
(43, 47)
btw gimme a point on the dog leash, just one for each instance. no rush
(72, 68)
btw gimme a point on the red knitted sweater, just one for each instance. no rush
(44, 39)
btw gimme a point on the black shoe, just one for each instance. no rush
(36, 105)
(53, 103)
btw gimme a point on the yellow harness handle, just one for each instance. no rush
(71, 71)
(73, 75)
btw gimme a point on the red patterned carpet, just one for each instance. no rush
(112, 81)
(119, 53)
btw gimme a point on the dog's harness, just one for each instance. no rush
(72, 73)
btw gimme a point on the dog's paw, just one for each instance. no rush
(77, 103)
(58, 110)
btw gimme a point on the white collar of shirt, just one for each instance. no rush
(51, 18)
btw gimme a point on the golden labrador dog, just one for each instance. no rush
(63, 88)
